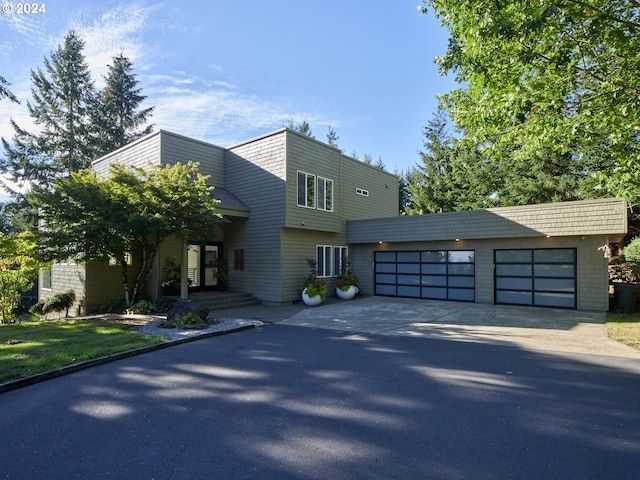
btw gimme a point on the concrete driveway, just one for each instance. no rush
(558, 330)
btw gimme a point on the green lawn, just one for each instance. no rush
(35, 347)
(625, 328)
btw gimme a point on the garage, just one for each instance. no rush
(544, 277)
(430, 274)
(552, 255)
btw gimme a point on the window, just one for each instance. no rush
(325, 194)
(324, 261)
(362, 191)
(306, 190)
(45, 281)
(340, 260)
(114, 262)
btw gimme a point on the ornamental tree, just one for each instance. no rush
(18, 269)
(130, 213)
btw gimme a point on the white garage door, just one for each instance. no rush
(433, 274)
(536, 277)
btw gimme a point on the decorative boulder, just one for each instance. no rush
(182, 308)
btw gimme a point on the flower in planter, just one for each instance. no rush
(313, 284)
(346, 280)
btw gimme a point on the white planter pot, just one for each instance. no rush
(311, 301)
(347, 294)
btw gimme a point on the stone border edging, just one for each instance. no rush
(41, 377)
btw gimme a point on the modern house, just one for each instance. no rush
(288, 197)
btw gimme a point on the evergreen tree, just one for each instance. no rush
(303, 127)
(368, 160)
(62, 94)
(116, 115)
(332, 137)
(5, 92)
(430, 182)
(453, 174)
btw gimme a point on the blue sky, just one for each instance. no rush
(226, 71)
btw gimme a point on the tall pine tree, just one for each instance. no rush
(62, 94)
(116, 115)
(5, 92)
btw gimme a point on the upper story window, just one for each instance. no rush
(306, 190)
(325, 194)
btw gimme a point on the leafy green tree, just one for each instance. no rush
(117, 117)
(5, 92)
(62, 94)
(18, 269)
(131, 212)
(550, 89)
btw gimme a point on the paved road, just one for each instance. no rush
(284, 402)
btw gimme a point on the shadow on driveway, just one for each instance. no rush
(280, 402)
(566, 331)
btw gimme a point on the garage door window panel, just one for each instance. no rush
(536, 277)
(433, 274)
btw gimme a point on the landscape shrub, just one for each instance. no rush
(190, 319)
(54, 304)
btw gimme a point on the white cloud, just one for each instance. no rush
(215, 111)
(116, 31)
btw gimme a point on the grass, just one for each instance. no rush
(35, 347)
(624, 328)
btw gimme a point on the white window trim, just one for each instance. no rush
(325, 248)
(338, 257)
(362, 191)
(306, 184)
(322, 200)
(41, 279)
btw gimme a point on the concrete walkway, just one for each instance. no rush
(557, 330)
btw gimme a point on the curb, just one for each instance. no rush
(41, 377)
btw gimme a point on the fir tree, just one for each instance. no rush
(62, 93)
(116, 115)
(5, 92)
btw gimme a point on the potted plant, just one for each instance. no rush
(220, 273)
(172, 269)
(346, 285)
(313, 289)
(626, 294)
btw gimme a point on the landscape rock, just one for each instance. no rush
(182, 308)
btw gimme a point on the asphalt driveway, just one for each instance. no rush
(284, 402)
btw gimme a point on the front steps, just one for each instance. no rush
(223, 300)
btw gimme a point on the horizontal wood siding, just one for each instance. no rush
(138, 154)
(382, 188)
(104, 285)
(310, 156)
(588, 217)
(255, 173)
(179, 149)
(297, 246)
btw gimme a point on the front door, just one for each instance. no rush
(203, 265)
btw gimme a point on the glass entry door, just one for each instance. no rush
(203, 265)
